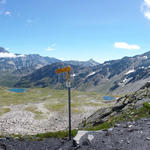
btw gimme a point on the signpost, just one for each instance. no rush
(68, 84)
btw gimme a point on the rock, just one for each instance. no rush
(86, 142)
(98, 117)
(109, 132)
(2, 146)
(118, 107)
(148, 138)
(147, 85)
(90, 137)
(148, 123)
(79, 136)
(121, 141)
(130, 126)
(74, 143)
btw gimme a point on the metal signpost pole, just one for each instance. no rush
(69, 104)
(67, 70)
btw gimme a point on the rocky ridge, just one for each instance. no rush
(123, 105)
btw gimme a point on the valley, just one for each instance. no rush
(40, 110)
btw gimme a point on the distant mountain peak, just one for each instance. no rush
(93, 62)
(91, 59)
(3, 50)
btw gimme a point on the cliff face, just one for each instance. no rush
(129, 104)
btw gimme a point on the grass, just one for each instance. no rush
(4, 110)
(38, 114)
(41, 94)
(55, 107)
(41, 136)
(54, 100)
(59, 134)
(103, 126)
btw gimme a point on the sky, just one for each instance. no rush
(76, 29)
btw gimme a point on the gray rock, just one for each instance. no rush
(2, 146)
(148, 138)
(99, 116)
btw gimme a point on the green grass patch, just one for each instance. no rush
(4, 110)
(76, 110)
(55, 107)
(59, 134)
(103, 126)
(41, 136)
(38, 114)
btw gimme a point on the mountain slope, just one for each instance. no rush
(46, 76)
(14, 66)
(88, 63)
(117, 76)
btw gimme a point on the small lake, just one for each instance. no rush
(108, 98)
(17, 90)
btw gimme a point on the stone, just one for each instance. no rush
(86, 142)
(148, 138)
(118, 107)
(2, 146)
(116, 125)
(99, 116)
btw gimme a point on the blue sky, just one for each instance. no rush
(76, 29)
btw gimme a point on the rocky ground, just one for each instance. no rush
(24, 122)
(124, 136)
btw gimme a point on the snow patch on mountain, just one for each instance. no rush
(92, 73)
(145, 57)
(73, 75)
(130, 71)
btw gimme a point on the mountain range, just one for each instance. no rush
(117, 76)
(15, 66)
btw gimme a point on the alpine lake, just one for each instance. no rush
(17, 90)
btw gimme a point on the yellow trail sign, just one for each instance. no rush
(61, 70)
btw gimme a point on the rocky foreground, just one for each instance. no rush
(124, 136)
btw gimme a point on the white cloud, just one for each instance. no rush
(7, 13)
(10, 55)
(52, 47)
(147, 14)
(5, 55)
(124, 45)
(2, 1)
(146, 9)
(147, 2)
